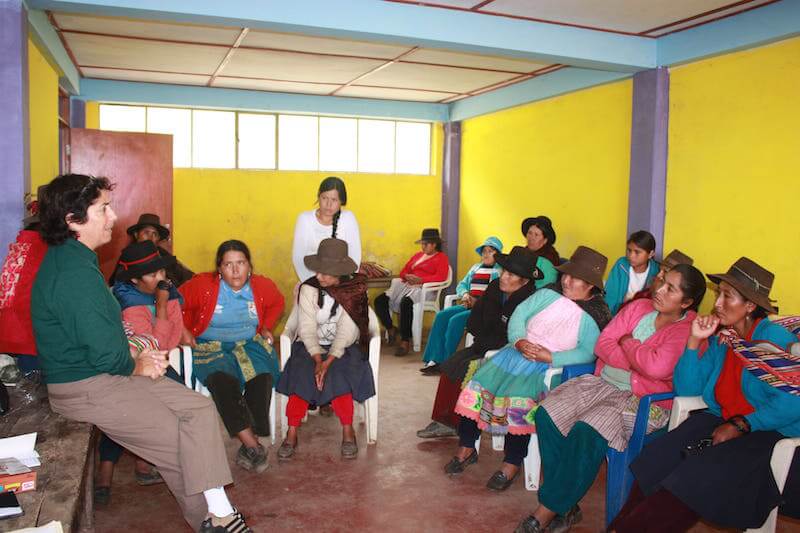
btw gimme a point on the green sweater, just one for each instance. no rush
(76, 320)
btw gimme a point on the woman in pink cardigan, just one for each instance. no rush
(579, 420)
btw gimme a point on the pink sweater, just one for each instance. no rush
(167, 332)
(651, 362)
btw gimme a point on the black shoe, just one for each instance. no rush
(499, 481)
(431, 370)
(562, 524)
(391, 336)
(530, 525)
(253, 459)
(456, 466)
(233, 523)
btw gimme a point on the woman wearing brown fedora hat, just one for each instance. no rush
(329, 361)
(428, 265)
(579, 420)
(556, 326)
(716, 464)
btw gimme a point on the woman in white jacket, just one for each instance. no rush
(327, 221)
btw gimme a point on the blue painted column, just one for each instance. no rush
(14, 142)
(648, 177)
(451, 193)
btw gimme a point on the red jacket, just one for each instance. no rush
(433, 269)
(200, 297)
(16, 281)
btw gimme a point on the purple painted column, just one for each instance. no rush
(14, 151)
(648, 178)
(451, 193)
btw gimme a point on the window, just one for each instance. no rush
(213, 139)
(375, 146)
(178, 123)
(122, 118)
(338, 144)
(297, 142)
(413, 148)
(256, 141)
(232, 139)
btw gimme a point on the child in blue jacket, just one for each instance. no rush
(633, 272)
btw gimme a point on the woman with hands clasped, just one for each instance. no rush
(557, 325)
(329, 362)
(91, 376)
(716, 464)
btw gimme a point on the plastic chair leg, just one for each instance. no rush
(532, 465)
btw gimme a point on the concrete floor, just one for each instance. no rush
(396, 485)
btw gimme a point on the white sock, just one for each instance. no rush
(218, 503)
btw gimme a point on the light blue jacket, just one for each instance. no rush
(463, 286)
(588, 332)
(618, 279)
(697, 375)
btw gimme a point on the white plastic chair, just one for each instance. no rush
(181, 360)
(532, 465)
(428, 301)
(371, 405)
(782, 453)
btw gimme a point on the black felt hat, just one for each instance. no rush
(521, 261)
(140, 258)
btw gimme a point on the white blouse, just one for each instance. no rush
(308, 233)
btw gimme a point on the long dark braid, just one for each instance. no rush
(336, 223)
(321, 301)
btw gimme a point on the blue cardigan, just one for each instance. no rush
(618, 279)
(697, 375)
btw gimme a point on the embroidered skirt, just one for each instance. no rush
(244, 359)
(503, 394)
(594, 401)
(351, 373)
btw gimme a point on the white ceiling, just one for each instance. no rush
(240, 58)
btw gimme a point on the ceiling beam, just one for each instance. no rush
(49, 41)
(555, 83)
(390, 22)
(770, 23)
(246, 100)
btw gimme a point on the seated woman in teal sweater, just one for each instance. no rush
(449, 324)
(556, 326)
(716, 464)
(632, 272)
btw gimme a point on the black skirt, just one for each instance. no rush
(457, 365)
(729, 484)
(351, 373)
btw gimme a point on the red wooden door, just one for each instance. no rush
(140, 164)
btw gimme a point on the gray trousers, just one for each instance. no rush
(161, 421)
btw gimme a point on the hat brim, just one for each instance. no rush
(137, 271)
(504, 261)
(339, 267)
(577, 271)
(163, 232)
(420, 241)
(480, 248)
(758, 299)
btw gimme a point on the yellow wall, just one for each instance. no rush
(43, 117)
(566, 157)
(260, 208)
(734, 163)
